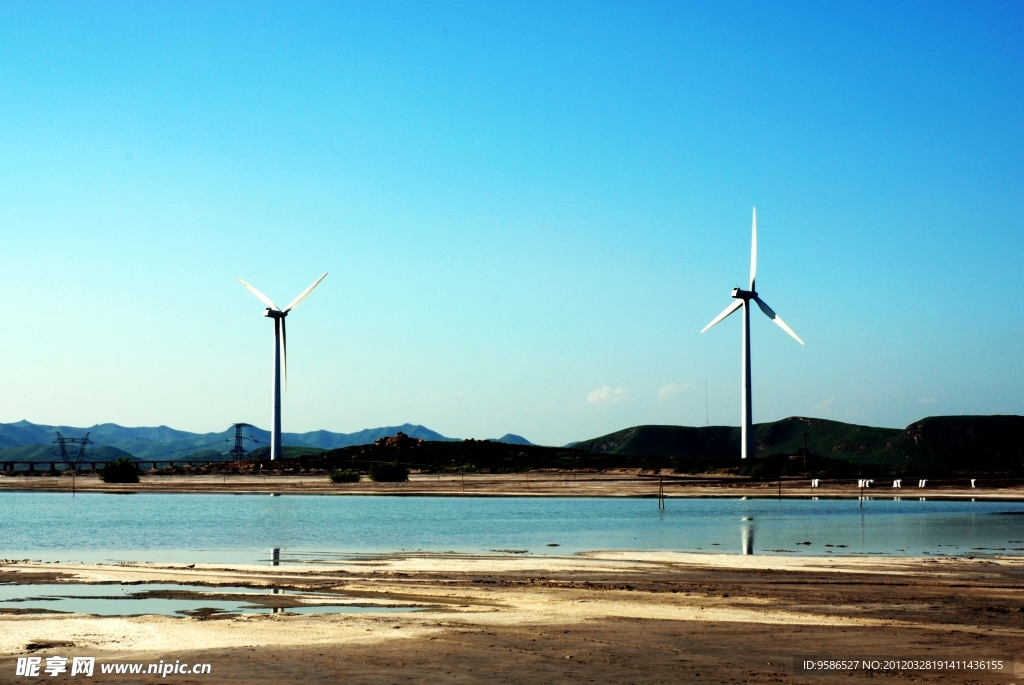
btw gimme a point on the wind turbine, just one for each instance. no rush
(280, 352)
(743, 298)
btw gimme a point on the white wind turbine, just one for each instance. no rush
(743, 298)
(280, 351)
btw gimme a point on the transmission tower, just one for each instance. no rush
(238, 451)
(63, 442)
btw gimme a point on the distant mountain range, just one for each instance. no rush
(25, 441)
(512, 439)
(986, 442)
(943, 442)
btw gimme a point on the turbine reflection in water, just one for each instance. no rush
(747, 538)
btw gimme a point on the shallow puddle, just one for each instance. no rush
(172, 599)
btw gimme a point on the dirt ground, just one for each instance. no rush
(602, 617)
(612, 483)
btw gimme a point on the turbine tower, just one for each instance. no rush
(280, 354)
(743, 298)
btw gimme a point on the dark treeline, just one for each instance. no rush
(483, 456)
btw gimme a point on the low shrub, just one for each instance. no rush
(388, 472)
(345, 476)
(121, 470)
(761, 469)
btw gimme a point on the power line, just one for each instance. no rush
(238, 451)
(707, 414)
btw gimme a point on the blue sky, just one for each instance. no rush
(528, 212)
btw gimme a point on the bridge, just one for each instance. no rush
(56, 466)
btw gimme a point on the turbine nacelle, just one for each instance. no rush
(744, 295)
(274, 313)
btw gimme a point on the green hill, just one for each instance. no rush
(994, 443)
(668, 441)
(831, 438)
(938, 443)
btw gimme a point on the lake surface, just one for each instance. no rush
(246, 528)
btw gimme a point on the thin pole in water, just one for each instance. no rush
(707, 414)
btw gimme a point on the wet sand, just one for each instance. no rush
(612, 483)
(605, 617)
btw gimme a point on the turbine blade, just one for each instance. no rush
(728, 310)
(284, 351)
(307, 291)
(753, 250)
(263, 298)
(770, 313)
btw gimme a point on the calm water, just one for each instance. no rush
(244, 528)
(133, 600)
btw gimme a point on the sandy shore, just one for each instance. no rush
(600, 617)
(619, 483)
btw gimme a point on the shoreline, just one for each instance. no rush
(643, 617)
(535, 484)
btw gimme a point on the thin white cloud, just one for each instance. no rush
(825, 405)
(669, 391)
(928, 400)
(607, 393)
